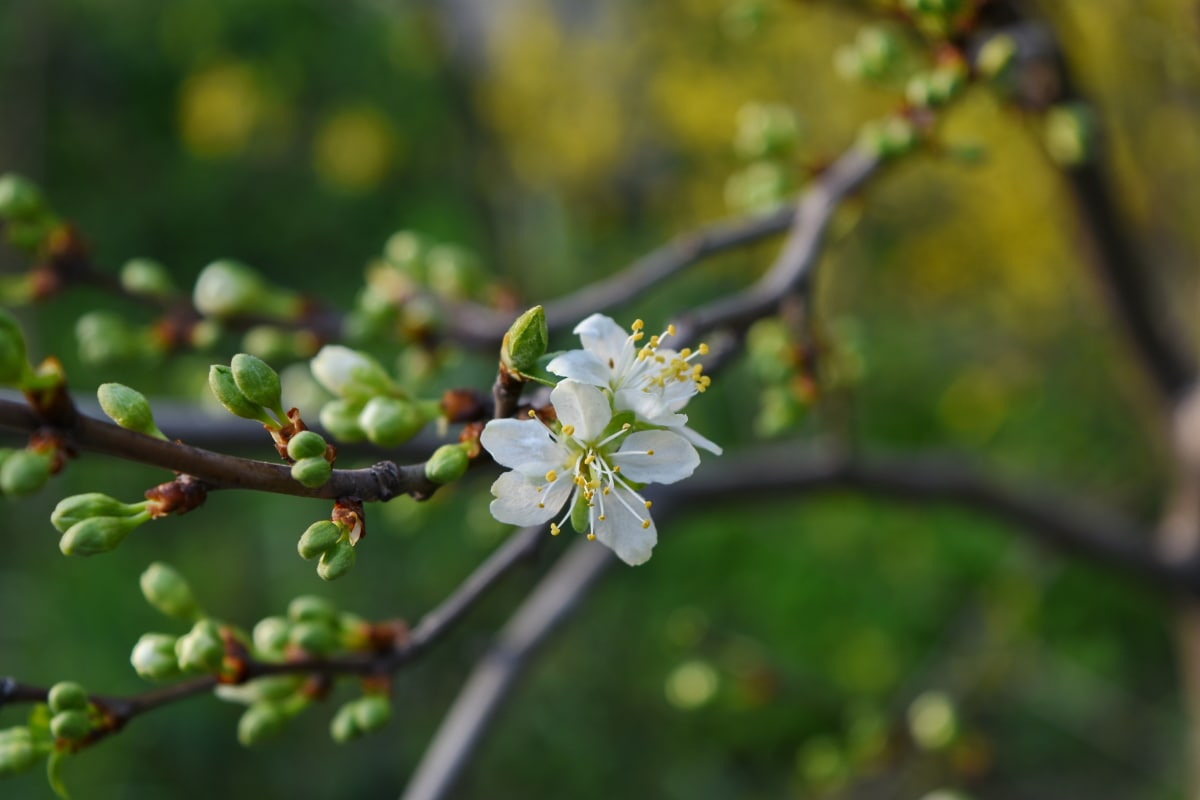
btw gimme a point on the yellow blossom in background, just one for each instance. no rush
(354, 148)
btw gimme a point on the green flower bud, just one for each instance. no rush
(765, 129)
(337, 560)
(310, 608)
(257, 381)
(389, 421)
(319, 537)
(451, 271)
(372, 712)
(919, 90)
(70, 725)
(849, 63)
(759, 187)
(14, 364)
(525, 342)
(312, 472)
(405, 250)
(201, 648)
(67, 696)
(105, 338)
(270, 342)
(996, 56)
(271, 635)
(128, 408)
(153, 657)
(226, 288)
(225, 389)
(340, 418)
(344, 727)
(20, 198)
(306, 444)
(260, 722)
(78, 507)
(349, 374)
(316, 638)
(147, 278)
(947, 82)
(933, 720)
(448, 463)
(24, 472)
(96, 535)
(271, 688)
(17, 751)
(1069, 134)
(165, 589)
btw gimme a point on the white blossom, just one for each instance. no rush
(586, 466)
(652, 381)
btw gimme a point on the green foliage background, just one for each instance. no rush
(559, 141)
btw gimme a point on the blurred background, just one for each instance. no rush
(803, 648)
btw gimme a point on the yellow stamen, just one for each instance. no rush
(601, 518)
(648, 504)
(532, 413)
(551, 476)
(671, 329)
(649, 452)
(554, 529)
(645, 523)
(591, 537)
(568, 430)
(703, 348)
(637, 325)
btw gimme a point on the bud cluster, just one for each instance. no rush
(936, 87)
(94, 523)
(161, 656)
(364, 715)
(329, 542)
(370, 404)
(871, 56)
(766, 137)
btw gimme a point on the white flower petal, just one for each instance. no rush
(581, 365)
(583, 407)
(698, 440)
(517, 501)
(344, 371)
(522, 444)
(621, 529)
(603, 337)
(673, 457)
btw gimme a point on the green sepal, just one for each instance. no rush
(525, 342)
(54, 773)
(14, 361)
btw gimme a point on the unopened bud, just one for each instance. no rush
(448, 463)
(146, 277)
(104, 337)
(405, 250)
(78, 507)
(310, 608)
(273, 687)
(260, 722)
(225, 389)
(312, 472)
(316, 638)
(337, 560)
(271, 635)
(390, 421)
(765, 129)
(319, 537)
(128, 408)
(525, 342)
(257, 381)
(344, 727)
(348, 373)
(153, 657)
(451, 271)
(67, 696)
(14, 364)
(372, 712)
(165, 589)
(1070, 134)
(200, 649)
(340, 418)
(17, 751)
(24, 472)
(996, 56)
(225, 288)
(97, 535)
(70, 725)
(20, 198)
(306, 444)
